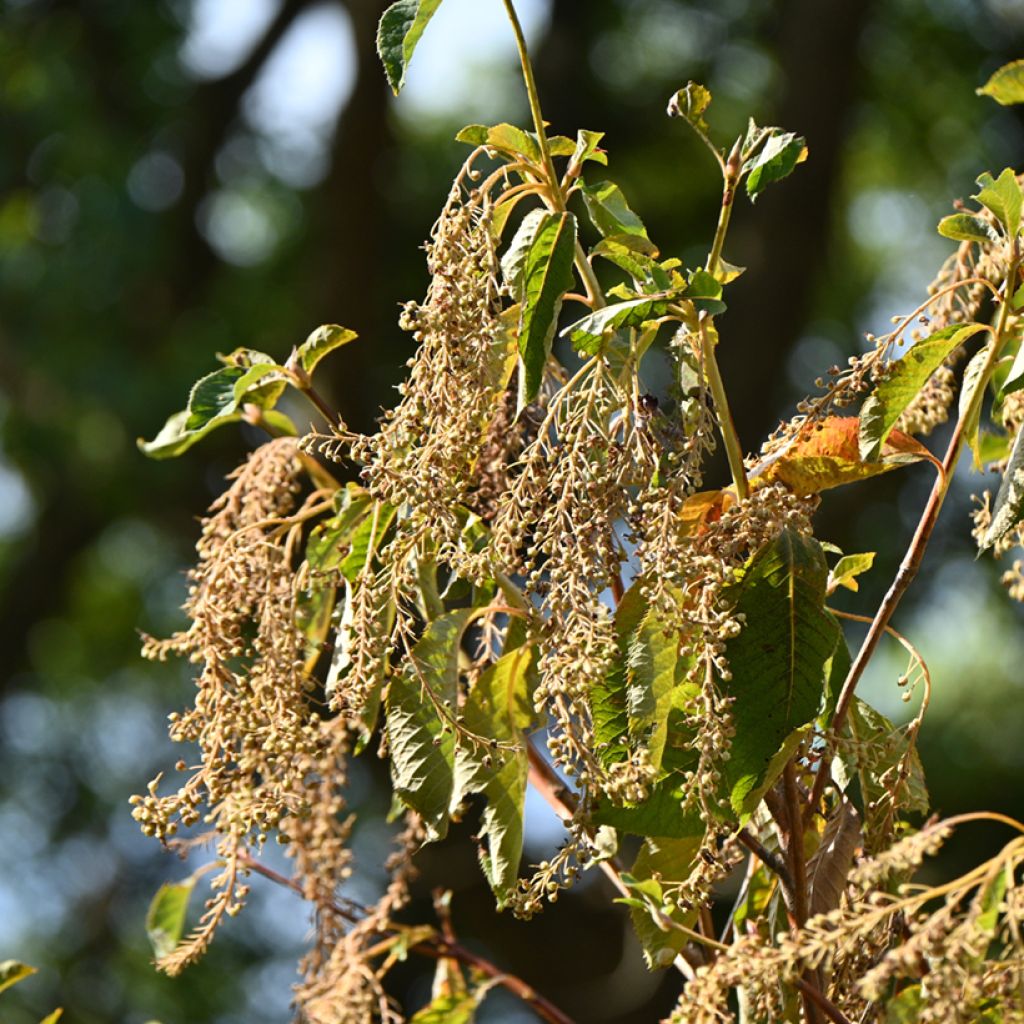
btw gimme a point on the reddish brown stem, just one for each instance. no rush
(437, 947)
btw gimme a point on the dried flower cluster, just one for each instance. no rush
(530, 582)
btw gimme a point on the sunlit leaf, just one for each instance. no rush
(777, 660)
(845, 572)
(398, 32)
(546, 276)
(422, 743)
(668, 861)
(1008, 509)
(635, 255)
(689, 103)
(165, 920)
(974, 378)
(1003, 197)
(512, 142)
(588, 333)
(1006, 86)
(906, 377)
(499, 706)
(320, 343)
(609, 211)
(447, 1010)
(13, 971)
(586, 148)
(828, 455)
(879, 749)
(514, 259)
(52, 1018)
(967, 227)
(775, 160)
(828, 869)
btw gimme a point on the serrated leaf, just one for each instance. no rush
(450, 1009)
(828, 455)
(879, 749)
(828, 869)
(398, 32)
(689, 103)
(1006, 86)
(845, 572)
(967, 227)
(972, 380)
(609, 212)
(13, 971)
(1003, 197)
(546, 276)
(500, 706)
(320, 343)
(422, 746)
(165, 920)
(1008, 509)
(774, 161)
(670, 860)
(586, 148)
(588, 334)
(778, 658)
(907, 376)
(514, 259)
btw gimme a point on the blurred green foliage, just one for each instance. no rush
(153, 212)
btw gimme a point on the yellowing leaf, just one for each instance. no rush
(828, 455)
(1006, 85)
(13, 971)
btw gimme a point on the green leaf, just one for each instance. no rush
(905, 1008)
(967, 227)
(973, 379)
(514, 260)
(500, 706)
(774, 161)
(1006, 86)
(13, 971)
(689, 103)
(422, 745)
(371, 528)
(704, 290)
(447, 1009)
(1008, 509)
(216, 399)
(588, 334)
(546, 276)
(990, 899)
(586, 149)
(777, 660)
(907, 376)
(506, 138)
(1003, 197)
(845, 572)
(664, 861)
(635, 255)
(320, 343)
(609, 212)
(398, 32)
(165, 920)
(651, 676)
(879, 749)
(1015, 378)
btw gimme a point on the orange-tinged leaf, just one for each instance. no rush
(705, 507)
(827, 454)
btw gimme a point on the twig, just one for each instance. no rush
(438, 947)
(768, 857)
(823, 1003)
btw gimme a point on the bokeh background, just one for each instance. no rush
(180, 177)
